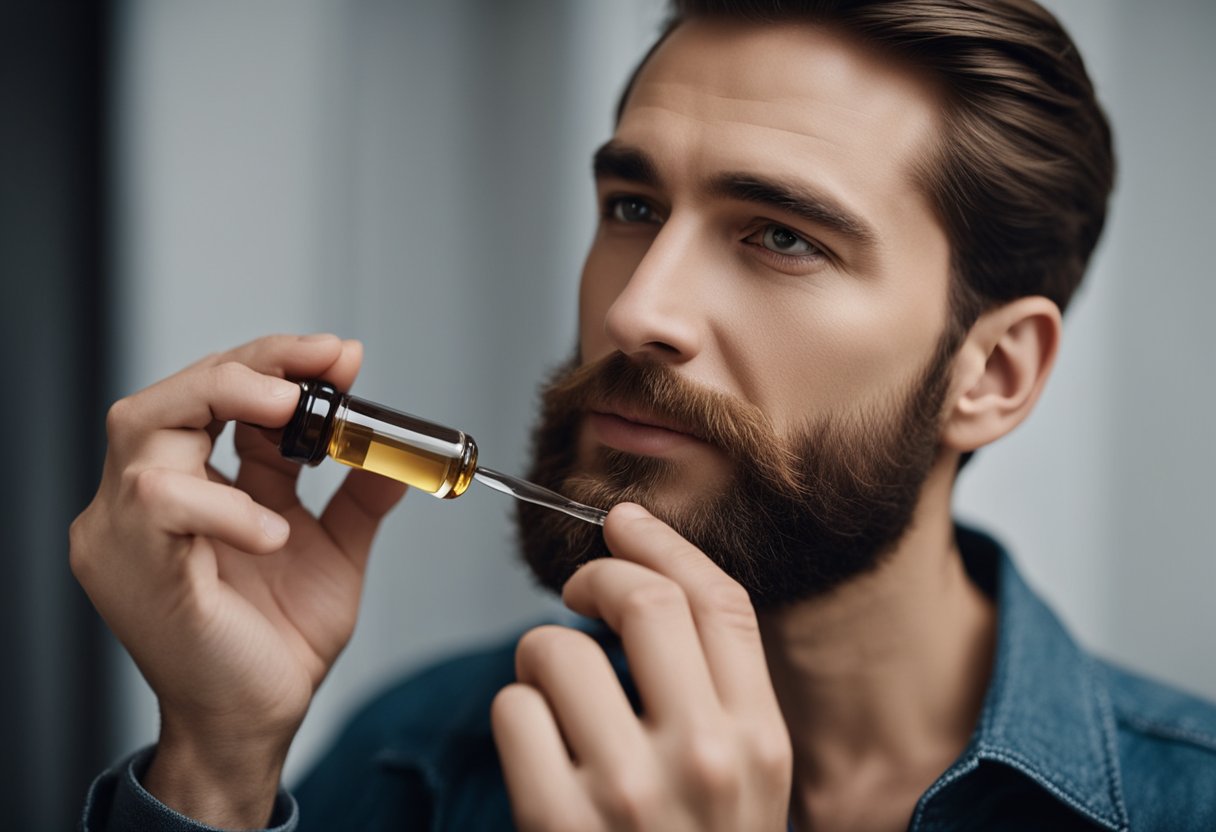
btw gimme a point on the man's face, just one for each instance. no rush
(766, 260)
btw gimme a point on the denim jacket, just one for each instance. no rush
(1064, 742)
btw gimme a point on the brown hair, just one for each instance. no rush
(1024, 165)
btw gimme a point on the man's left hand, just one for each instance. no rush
(711, 750)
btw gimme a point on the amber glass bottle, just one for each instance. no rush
(362, 434)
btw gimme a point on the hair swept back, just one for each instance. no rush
(1024, 165)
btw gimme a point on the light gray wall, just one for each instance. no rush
(417, 176)
(1107, 493)
(414, 175)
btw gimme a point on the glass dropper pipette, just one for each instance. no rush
(439, 460)
(530, 492)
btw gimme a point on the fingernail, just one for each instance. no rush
(319, 336)
(274, 526)
(630, 510)
(283, 389)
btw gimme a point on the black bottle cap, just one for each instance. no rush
(306, 436)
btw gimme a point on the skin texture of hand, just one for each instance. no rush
(711, 752)
(231, 597)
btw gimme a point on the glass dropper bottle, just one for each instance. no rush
(439, 460)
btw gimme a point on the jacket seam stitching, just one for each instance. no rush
(1106, 713)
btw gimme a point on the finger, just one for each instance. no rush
(285, 356)
(538, 772)
(584, 694)
(346, 366)
(187, 505)
(264, 473)
(195, 399)
(721, 608)
(322, 355)
(289, 356)
(353, 514)
(182, 450)
(651, 615)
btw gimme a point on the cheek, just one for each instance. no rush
(594, 298)
(852, 343)
(606, 272)
(835, 351)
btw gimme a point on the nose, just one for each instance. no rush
(656, 315)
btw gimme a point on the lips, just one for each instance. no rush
(636, 432)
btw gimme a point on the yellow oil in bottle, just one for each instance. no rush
(433, 458)
(362, 447)
(430, 457)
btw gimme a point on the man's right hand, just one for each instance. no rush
(231, 597)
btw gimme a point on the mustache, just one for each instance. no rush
(738, 428)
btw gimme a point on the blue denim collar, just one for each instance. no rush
(1047, 712)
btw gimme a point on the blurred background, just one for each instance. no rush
(178, 177)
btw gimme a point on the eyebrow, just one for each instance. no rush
(618, 161)
(615, 160)
(807, 203)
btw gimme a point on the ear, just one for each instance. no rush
(1000, 370)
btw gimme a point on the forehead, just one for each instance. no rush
(792, 100)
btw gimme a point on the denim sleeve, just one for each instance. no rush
(117, 802)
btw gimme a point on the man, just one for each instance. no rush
(834, 247)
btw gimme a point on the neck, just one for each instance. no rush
(881, 683)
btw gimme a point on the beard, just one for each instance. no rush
(795, 518)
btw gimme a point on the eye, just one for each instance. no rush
(781, 240)
(630, 209)
(786, 250)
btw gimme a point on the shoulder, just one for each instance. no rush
(453, 694)
(450, 695)
(420, 751)
(1162, 718)
(1167, 751)
(392, 762)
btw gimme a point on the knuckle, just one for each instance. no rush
(546, 646)
(771, 754)
(267, 347)
(729, 599)
(76, 532)
(507, 702)
(228, 373)
(589, 572)
(242, 508)
(127, 479)
(728, 603)
(149, 486)
(276, 341)
(630, 798)
(241, 501)
(710, 766)
(501, 705)
(661, 595)
(78, 560)
(118, 417)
